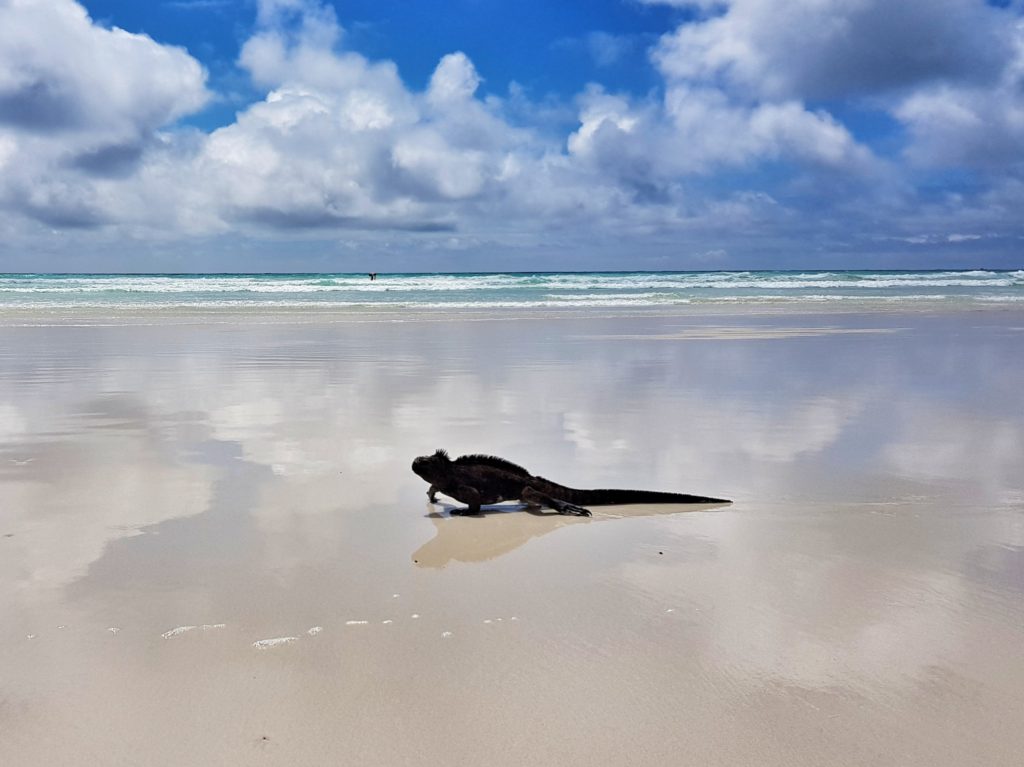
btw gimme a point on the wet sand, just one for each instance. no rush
(176, 495)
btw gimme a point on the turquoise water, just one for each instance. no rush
(494, 290)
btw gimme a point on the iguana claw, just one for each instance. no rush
(571, 508)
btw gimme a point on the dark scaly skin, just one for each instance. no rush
(478, 480)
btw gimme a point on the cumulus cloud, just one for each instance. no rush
(697, 128)
(817, 49)
(951, 71)
(769, 130)
(79, 77)
(454, 80)
(974, 125)
(79, 105)
(341, 141)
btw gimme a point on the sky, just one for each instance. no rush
(478, 135)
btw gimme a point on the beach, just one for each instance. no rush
(213, 550)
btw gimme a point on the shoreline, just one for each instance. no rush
(313, 314)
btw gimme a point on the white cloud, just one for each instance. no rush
(81, 78)
(773, 130)
(341, 142)
(812, 49)
(976, 125)
(603, 117)
(699, 129)
(451, 173)
(950, 70)
(79, 107)
(454, 80)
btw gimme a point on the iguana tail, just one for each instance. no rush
(612, 497)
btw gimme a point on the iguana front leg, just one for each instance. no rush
(432, 492)
(537, 498)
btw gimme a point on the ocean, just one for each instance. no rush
(52, 293)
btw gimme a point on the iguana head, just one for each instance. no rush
(433, 468)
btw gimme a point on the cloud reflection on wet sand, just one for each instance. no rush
(865, 581)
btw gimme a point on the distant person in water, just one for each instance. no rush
(373, 276)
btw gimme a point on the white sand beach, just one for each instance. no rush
(213, 550)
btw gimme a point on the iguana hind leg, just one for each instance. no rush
(536, 498)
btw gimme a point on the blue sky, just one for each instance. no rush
(287, 135)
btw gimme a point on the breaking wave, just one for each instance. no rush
(492, 290)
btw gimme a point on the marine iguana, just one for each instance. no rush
(485, 479)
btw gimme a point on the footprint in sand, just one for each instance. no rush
(265, 644)
(178, 631)
(185, 629)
